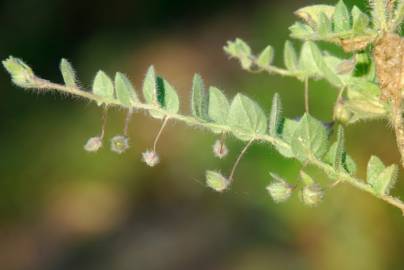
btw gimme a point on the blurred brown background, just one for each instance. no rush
(62, 208)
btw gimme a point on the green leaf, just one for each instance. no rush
(290, 57)
(309, 139)
(287, 129)
(321, 65)
(311, 14)
(360, 20)
(379, 14)
(348, 164)
(300, 31)
(125, 91)
(103, 86)
(21, 74)
(275, 118)
(341, 18)
(219, 106)
(324, 25)
(307, 179)
(307, 63)
(266, 57)
(150, 87)
(246, 118)
(381, 179)
(374, 169)
(386, 180)
(339, 150)
(200, 99)
(171, 101)
(69, 76)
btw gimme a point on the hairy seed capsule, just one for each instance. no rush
(220, 149)
(93, 144)
(119, 144)
(313, 194)
(151, 158)
(216, 181)
(280, 191)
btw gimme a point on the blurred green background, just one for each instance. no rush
(63, 208)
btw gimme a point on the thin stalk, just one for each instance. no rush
(239, 158)
(159, 133)
(306, 94)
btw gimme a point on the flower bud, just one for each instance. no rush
(216, 181)
(93, 144)
(151, 158)
(341, 114)
(280, 191)
(119, 144)
(312, 194)
(220, 149)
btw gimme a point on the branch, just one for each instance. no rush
(338, 175)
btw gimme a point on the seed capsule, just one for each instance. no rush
(93, 144)
(216, 181)
(119, 144)
(280, 191)
(312, 195)
(220, 149)
(151, 158)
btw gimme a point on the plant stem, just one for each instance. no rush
(159, 133)
(306, 94)
(329, 170)
(239, 158)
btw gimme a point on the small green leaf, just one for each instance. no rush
(150, 87)
(21, 73)
(339, 150)
(309, 139)
(386, 180)
(360, 20)
(275, 118)
(171, 101)
(307, 63)
(200, 99)
(103, 86)
(219, 106)
(341, 18)
(125, 91)
(300, 31)
(287, 129)
(246, 118)
(348, 164)
(69, 76)
(321, 65)
(374, 169)
(266, 57)
(290, 57)
(381, 179)
(324, 25)
(307, 179)
(311, 14)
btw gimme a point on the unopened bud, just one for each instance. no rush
(151, 158)
(216, 181)
(341, 114)
(313, 194)
(93, 144)
(220, 149)
(119, 144)
(280, 191)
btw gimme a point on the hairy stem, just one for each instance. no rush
(41, 84)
